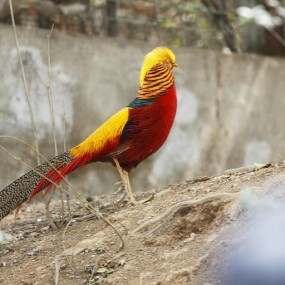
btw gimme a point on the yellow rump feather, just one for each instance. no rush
(156, 56)
(105, 134)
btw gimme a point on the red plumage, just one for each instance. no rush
(152, 124)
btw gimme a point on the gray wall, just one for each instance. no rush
(230, 112)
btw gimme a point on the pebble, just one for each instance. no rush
(34, 234)
(122, 262)
(111, 264)
(3, 264)
(191, 238)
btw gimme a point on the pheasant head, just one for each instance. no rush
(159, 55)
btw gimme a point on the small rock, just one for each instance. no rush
(191, 238)
(226, 176)
(111, 264)
(100, 250)
(211, 238)
(121, 262)
(89, 199)
(31, 252)
(34, 234)
(3, 264)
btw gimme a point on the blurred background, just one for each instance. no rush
(230, 82)
(238, 26)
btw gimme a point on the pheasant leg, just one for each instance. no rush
(126, 181)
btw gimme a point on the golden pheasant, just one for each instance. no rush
(125, 139)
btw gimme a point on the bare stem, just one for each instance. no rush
(52, 115)
(276, 36)
(49, 89)
(29, 101)
(64, 149)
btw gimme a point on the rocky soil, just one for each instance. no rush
(184, 235)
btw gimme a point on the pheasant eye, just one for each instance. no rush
(167, 63)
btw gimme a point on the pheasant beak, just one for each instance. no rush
(175, 65)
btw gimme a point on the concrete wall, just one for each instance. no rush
(231, 107)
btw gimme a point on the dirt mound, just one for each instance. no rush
(183, 236)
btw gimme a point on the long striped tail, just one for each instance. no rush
(43, 176)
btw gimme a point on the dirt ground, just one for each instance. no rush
(182, 236)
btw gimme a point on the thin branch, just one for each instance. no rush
(63, 116)
(49, 89)
(276, 36)
(52, 115)
(25, 84)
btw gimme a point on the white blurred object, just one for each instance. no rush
(72, 8)
(260, 16)
(250, 201)
(245, 12)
